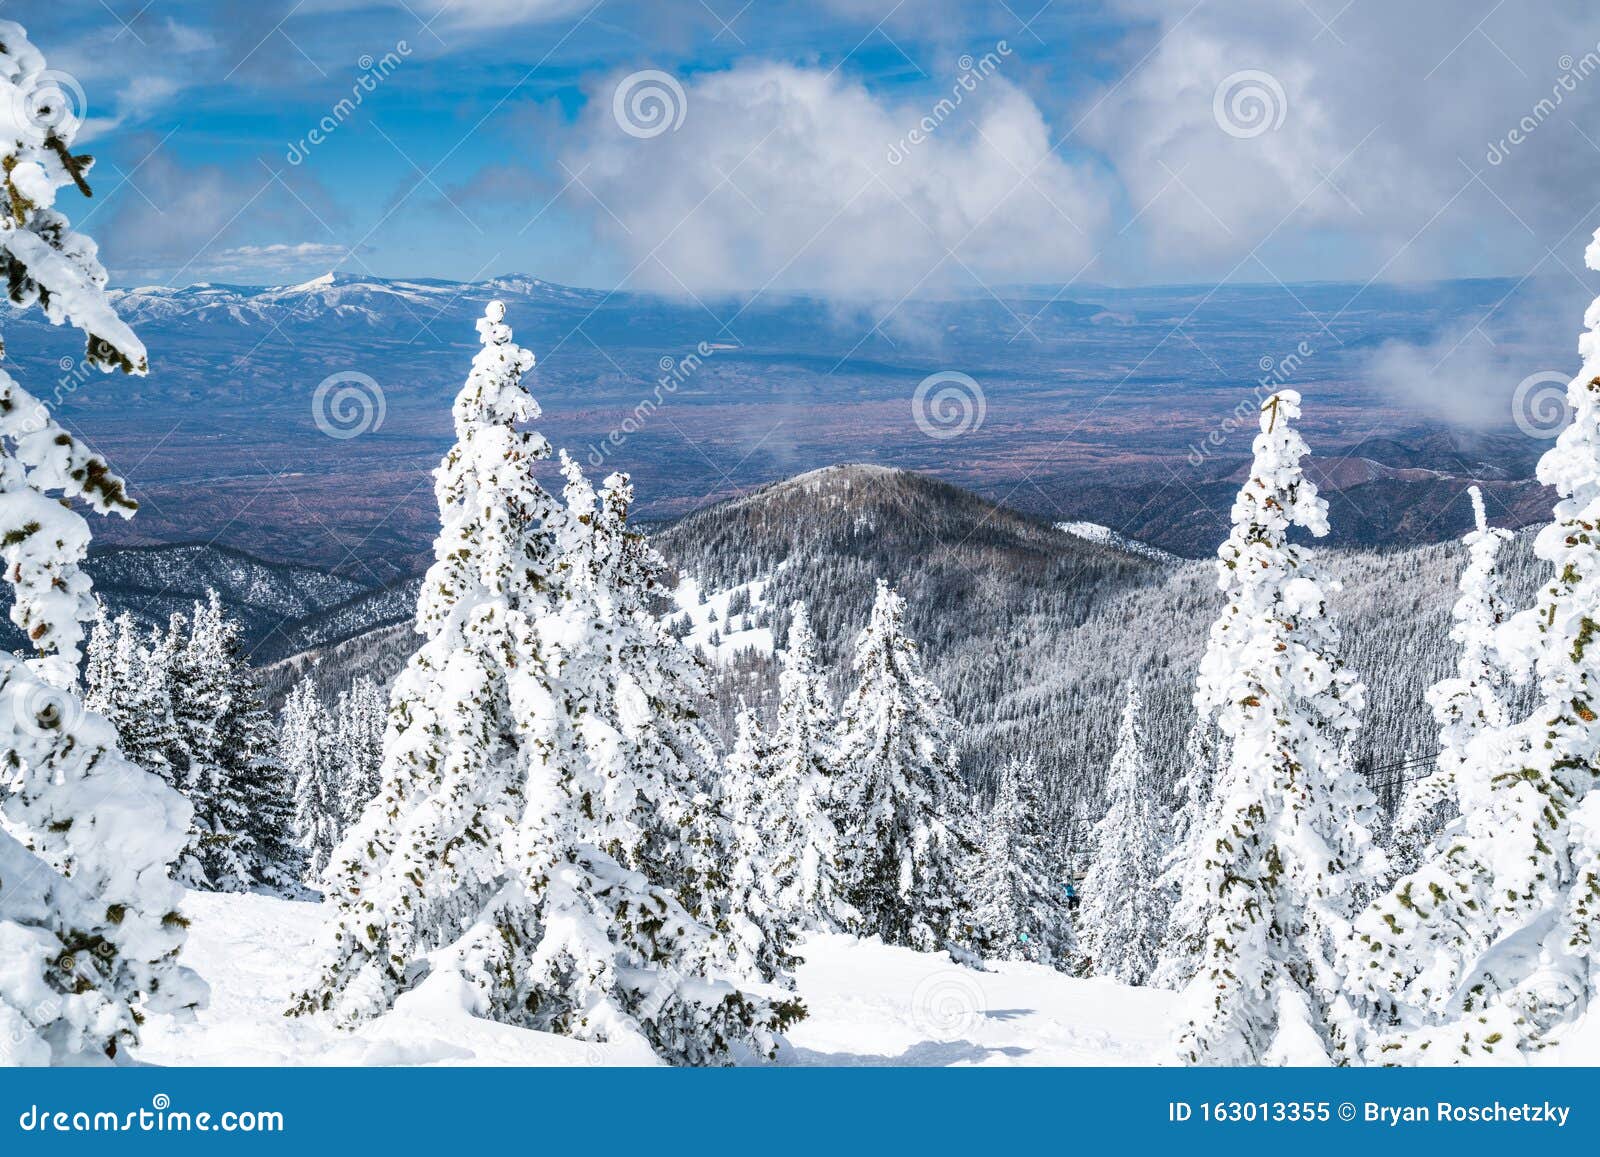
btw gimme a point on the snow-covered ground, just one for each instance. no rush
(869, 1005)
(875, 1005)
(1105, 536)
(708, 613)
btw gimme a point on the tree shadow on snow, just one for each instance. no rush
(1009, 1013)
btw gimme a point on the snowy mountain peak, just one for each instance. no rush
(843, 474)
(357, 299)
(1105, 536)
(326, 281)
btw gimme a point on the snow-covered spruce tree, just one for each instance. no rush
(1123, 910)
(359, 719)
(103, 692)
(1187, 914)
(768, 933)
(993, 889)
(1511, 895)
(1042, 849)
(803, 842)
(129, 685)
(227, 749)
(1466, 704)
(89, 927)
(1286, 845)
(644, 726)
(307, 751)
(1416, 940)
(489, 860)
(900, 800)
(1017, 902)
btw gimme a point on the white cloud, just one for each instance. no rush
(278, 256)
(1468, 371)
(504, 13)
(133, 72)
(1390, 109)
(180, 222)
(781, 176)
(441, 15)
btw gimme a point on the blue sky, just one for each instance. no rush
(1123, 141)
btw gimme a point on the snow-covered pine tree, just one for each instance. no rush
(767, 933)
(1467, 703)
(89, 923)
(1187, 913)
(489, 860)
(307, 750)
(654, 688)
(803, 842)
(672, 794)
(1285, 847)
(103, 692)
(475, 718)
(900, 801)
(126, 680)
(1042, 849)
(1123, 911)
(360, 716)
(1511, 894)
(244, 804)
(993, 889)
(1018, 904)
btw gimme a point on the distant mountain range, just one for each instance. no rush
(301, 423)
(1382, 491)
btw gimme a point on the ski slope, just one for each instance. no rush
(869, 1005)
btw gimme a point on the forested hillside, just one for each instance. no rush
(1029, 630)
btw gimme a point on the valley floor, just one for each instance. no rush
(869, 1005)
